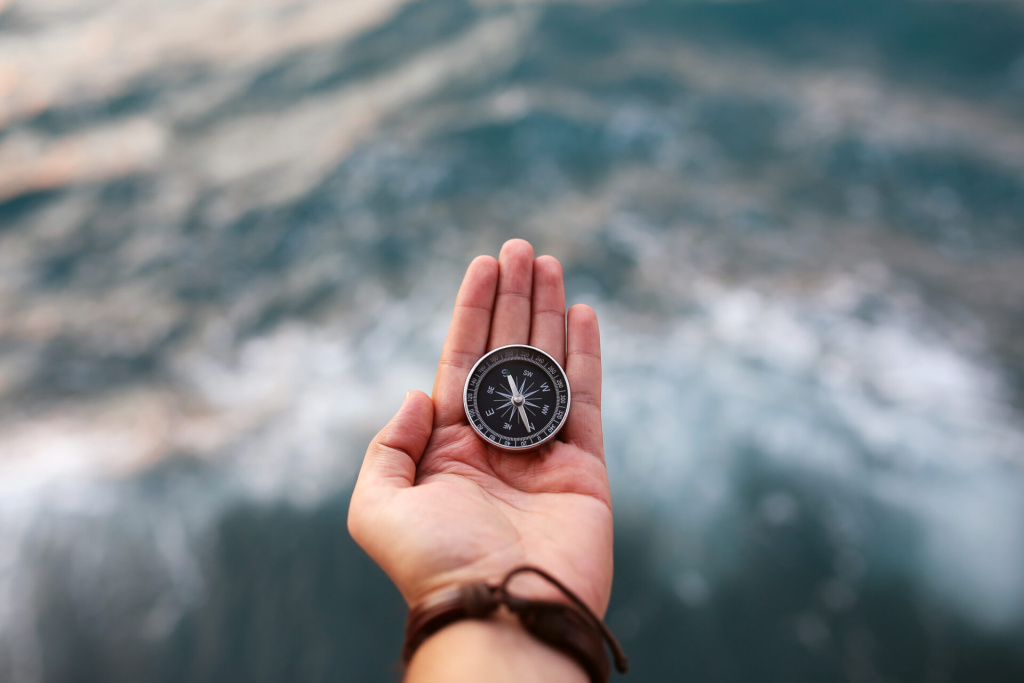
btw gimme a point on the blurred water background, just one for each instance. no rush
(230, 238)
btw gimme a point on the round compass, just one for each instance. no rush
(517, 397)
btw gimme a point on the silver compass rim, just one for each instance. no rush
(532, 446)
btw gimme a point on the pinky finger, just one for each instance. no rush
(583, 365)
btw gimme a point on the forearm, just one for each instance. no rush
(497, 650)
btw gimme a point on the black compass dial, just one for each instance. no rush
(517, 397)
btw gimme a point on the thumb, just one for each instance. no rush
(393, 454)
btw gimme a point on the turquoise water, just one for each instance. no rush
(230, 238)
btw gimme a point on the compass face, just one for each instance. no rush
(517, 397)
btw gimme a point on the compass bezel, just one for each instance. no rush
(519, 353)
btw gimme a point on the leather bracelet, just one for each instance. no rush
(570, 628)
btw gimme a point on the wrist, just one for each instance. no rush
(570, 628)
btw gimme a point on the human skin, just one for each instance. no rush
(435, 506)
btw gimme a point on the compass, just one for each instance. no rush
(517, 397)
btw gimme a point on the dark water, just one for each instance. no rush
(230, 237)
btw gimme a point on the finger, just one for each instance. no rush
(511, 321)
(547, 331)
(467, 338)
(393, 454)
(583, 366)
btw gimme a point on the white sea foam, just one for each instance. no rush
(879, 413)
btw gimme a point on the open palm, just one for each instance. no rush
(436, 506)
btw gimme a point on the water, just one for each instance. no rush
(230, 237)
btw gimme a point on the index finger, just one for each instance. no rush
(467, 338)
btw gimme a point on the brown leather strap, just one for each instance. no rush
(469, 601)
(570, 628)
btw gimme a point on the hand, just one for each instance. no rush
(435, 506)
